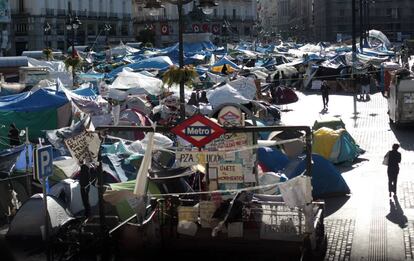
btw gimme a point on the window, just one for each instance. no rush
(91, 29)
(100, 6)
(21, 5)
(80, 5)
(246, 30)
(124, 8)
(215, 12)
(124, 29)
(111, 5)
(224, 13)
(90, 5)
(234, 13)
(341, 12)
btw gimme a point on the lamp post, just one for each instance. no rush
(46, 30)
(72, 25)
(207, 7)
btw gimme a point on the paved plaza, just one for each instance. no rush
(367, 225)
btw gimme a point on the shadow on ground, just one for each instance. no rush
(334, 204)
(345, 167)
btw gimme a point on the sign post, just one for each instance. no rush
(43, 168)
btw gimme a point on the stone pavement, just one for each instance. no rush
(367, 225)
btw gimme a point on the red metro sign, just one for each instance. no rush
(198, 130)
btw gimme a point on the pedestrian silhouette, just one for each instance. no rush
(394, 159)
(325, 94)
(396, 214)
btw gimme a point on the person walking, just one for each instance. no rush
(325, 94)
(394, 159)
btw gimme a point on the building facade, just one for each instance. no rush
(333, 19)
(29, 17)
(4, 26)
(232, 20)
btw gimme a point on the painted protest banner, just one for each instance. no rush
(84, 147)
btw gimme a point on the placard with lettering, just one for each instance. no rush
(84, 147)
(230, 173)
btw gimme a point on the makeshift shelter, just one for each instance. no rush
(230, 66)
(142, 84)
(38, 110)
(294, 145)
(336, 146)
(283, 95)
(271, 159)
(326, 179)
(69, 191)
(29, 220)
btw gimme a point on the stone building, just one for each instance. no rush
(231, 20)
(29, 17)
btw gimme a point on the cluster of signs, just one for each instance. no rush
(229, 159)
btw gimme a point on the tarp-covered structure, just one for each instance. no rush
(336, 146)
(29, 220)
(37, 110)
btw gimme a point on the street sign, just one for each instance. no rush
(43, 162)
(198, 130)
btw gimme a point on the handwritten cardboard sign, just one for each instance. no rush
(230, 173)
(84, 147)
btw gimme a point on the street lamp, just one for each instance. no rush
(72, 25)
(207, 8)
(46, 29)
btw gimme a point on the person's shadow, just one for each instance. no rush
(396, 214)
(324, 111)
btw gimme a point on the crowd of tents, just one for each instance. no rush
(124, 86)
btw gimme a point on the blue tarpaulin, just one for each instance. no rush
(33, 101)
(159, 63)
(326, 179)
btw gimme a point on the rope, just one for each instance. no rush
(218, 191)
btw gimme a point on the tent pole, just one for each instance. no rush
(28, 178)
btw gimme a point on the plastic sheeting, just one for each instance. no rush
(326, 179)
(158, 63)
(297, 192)
(127, 80)
(72, 194)
(225, 94)
(336, 146)
(30, 218)
(32, 101)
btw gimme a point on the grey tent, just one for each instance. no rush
(30, 218)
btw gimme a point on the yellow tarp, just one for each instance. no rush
(324, 140)
(219, 68)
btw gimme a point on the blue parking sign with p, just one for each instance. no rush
(43, 163)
